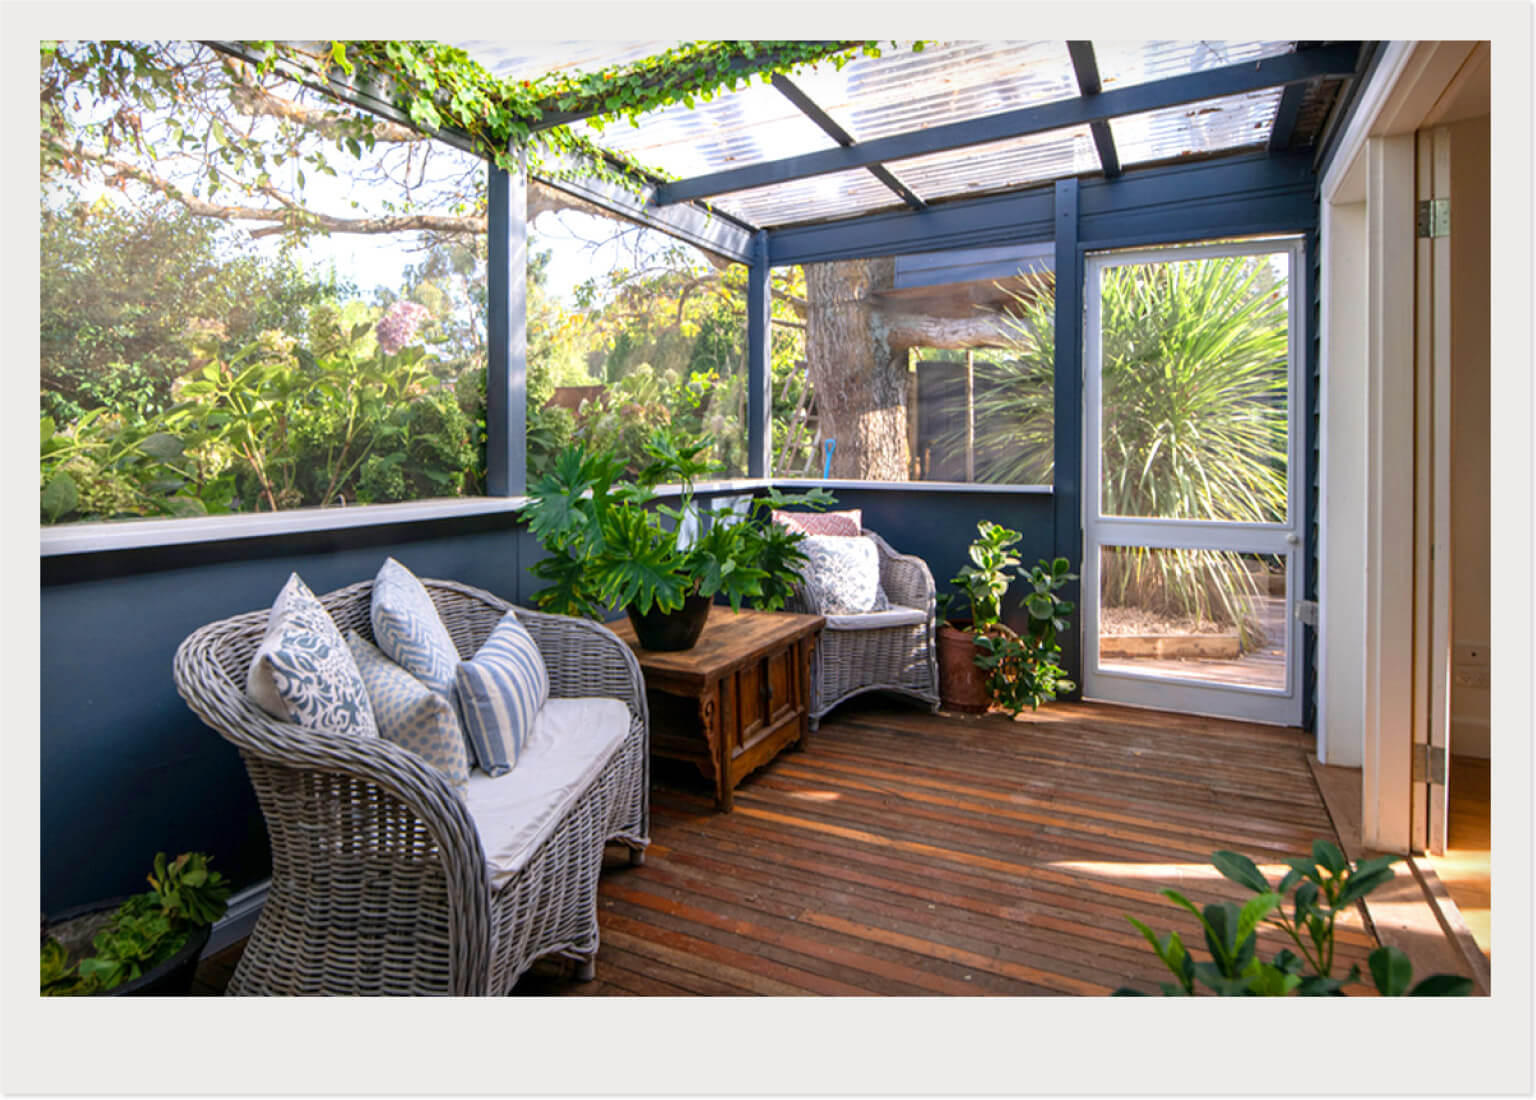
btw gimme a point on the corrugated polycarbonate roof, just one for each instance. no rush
(1228, 123)
(906, 91)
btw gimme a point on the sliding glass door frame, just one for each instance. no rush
(1170, 691)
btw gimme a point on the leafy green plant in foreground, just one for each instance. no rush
(1319, 890)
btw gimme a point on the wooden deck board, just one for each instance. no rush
(910, 854)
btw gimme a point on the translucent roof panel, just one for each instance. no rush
(1016, 162)
(902, 91)
(749, 126)
(1122, 64)
(524, 60)
(832, 196)
(1206, 127)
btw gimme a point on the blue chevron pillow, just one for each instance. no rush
(500, 692)
(408, 629)
(410, 714)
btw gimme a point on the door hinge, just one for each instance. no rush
(1306, 612)
(1429, 763)
(1434, 218)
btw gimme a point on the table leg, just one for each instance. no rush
(719, 752)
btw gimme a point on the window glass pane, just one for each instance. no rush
(1194, 388)
(917, 368)
(1210, 615)
(251, 299)
(630, 330)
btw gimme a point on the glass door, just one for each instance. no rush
(1192, 479)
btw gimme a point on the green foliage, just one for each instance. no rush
(1319, 889)
(146, 930)
(439, 86)
(610, 544)
(985, 581)
(1023, 671)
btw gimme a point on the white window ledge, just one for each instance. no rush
(134, 534)
(914, 486)
(137, 534)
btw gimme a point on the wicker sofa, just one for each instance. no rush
(380, 881)
(877, 651)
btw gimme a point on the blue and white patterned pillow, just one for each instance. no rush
(410, 714)
(500, 692)
(843, 574)
(303, 671)
(408, 629)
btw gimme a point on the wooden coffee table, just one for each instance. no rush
(734, 700)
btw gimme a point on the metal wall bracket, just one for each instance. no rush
(1306, 612)
(1429, 764)
(1434, 218)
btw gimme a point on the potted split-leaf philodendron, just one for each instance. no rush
(145, 945)
(612, 543)
(982, 661)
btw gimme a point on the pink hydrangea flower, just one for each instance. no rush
(397, 328)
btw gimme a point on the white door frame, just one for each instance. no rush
(1281, 539)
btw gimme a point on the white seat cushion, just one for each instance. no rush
(871, 620)
(571, 741)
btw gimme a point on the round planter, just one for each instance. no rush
(172, 978)
(664, 631)
(962, 686)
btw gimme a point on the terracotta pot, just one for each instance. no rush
(962, 686)
(666, 631)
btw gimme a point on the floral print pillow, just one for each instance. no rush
(843, 574)
(303, 671)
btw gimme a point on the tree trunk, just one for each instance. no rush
(859, 380)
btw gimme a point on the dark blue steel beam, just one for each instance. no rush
(1067, 463)
(759, 377)
(811, 110)
(1195, 200)
(1285, 116)
(506, 375)
(1086, 66)
(1249, 76)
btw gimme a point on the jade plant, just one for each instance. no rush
(612, 543)
(1319, 889)
(1022, 669)
(145, 931)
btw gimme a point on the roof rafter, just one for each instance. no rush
(1086, 66)
(1248, 76)
(811, 110)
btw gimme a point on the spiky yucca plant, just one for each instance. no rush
(1194, 417)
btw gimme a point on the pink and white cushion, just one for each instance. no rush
(849, 523)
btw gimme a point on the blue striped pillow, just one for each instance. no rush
(501, 689)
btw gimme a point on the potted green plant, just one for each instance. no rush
(612, 543)
(982, 661)
(145, 945)
(981, 585)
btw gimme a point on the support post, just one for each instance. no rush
(1066, 478)
(759, 356)
(506, 380)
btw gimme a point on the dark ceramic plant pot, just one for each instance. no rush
(75, 928)
(962, 686)
(671, 630)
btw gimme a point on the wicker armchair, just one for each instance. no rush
(858, 653)
(379, 879)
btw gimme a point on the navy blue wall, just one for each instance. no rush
(127, 769)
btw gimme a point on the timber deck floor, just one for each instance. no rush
(904, 853)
